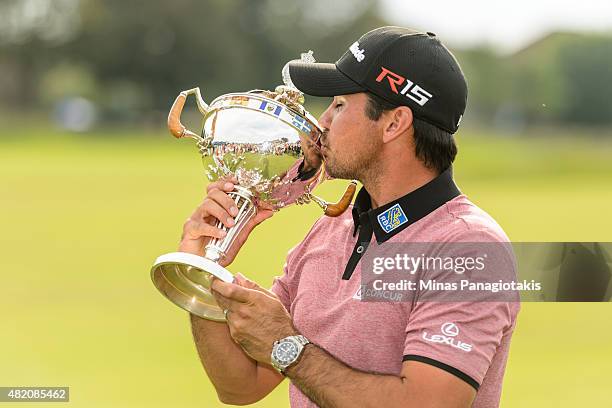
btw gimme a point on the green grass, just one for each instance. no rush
(83, 218)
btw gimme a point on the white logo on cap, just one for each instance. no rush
(358, 53)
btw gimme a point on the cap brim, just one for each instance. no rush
(321, 79)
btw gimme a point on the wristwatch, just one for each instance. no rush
(287, 351)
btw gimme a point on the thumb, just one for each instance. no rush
(262, 215)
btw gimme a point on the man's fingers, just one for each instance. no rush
(225, 201)
(243, 281)
(223, 302)
(195, 229)
(231, 291)
(226, 185)
(211, 207)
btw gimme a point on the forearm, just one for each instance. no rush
(235, 376)
(331, 383)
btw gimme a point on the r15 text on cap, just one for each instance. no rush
(411, 90)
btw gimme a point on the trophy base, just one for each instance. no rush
(185, 280)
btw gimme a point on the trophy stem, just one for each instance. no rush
(218, 247)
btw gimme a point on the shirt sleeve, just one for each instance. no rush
(464, 334)
(460, 338)
(280, 287)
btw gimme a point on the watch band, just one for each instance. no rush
(301, 339)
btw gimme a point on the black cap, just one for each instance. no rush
(400, 65)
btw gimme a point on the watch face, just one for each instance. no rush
(286, 352)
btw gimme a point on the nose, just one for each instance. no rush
(325, 118)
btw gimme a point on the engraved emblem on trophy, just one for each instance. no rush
(270, 144)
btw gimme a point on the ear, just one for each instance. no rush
(397, 122)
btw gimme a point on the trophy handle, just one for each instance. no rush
(334, 210)
(337, 209)
(176, 128)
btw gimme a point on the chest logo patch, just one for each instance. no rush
(392, 218)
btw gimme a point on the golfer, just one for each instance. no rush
(398, 98)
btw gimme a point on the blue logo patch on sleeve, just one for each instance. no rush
(392, 218)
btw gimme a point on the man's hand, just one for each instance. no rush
(200, 228)
(238, 379)
(256, 318)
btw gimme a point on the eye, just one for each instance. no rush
(338, 105)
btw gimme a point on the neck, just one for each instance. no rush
(396, 178)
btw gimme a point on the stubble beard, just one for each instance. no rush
(352, 166)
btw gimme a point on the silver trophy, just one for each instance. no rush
(270, 144)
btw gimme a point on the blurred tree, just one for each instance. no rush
(54, 21)
(539, 86)
(587, 68)
(565, 77)
(489, 81)
(163, 47)
(132, 57)
(30, 32)
(561, 78)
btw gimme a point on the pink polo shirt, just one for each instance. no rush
(380, 336)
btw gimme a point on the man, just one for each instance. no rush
(399, 96)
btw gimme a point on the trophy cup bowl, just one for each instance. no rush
(269, 143)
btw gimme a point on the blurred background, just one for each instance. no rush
(93, 188)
